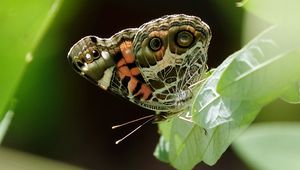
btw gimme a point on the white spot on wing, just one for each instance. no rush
(104, 82)
(88, 56)
(105, 55)
(85, 67)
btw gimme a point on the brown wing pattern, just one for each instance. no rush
(171, 53)
(153, 66)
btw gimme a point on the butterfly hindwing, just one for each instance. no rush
(171, 53)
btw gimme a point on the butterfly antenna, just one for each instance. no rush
(136, 120)
(152, 118)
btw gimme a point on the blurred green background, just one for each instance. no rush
(61, 116)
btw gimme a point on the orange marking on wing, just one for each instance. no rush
(121, 63)
(161, 34)
(121, 75)
(132, 84)
(146, 91)
(190, 28)
(160, 54)
(135, 71)
(124, 70)
(126, 49)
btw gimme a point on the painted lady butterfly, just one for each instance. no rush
(154, 66)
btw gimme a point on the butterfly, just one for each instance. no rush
(155, 66)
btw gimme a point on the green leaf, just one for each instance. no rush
(4, 123)
(22, 25)
(209, 108)
(270, 146)
(189, 145)
(263, 69)
(12, 159)
(260, 14)
(162, 149)
(292, 94)
(225, 115)
(184, 144)
(274, 11)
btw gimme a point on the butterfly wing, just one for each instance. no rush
(152, 66)
(110, 64)
(171, 53)
(96, 59)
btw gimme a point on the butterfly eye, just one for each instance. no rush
(155, 44)
(184, 39)
(95, 54)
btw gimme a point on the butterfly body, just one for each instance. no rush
(153, 66)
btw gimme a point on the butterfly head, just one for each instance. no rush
(89, 59)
